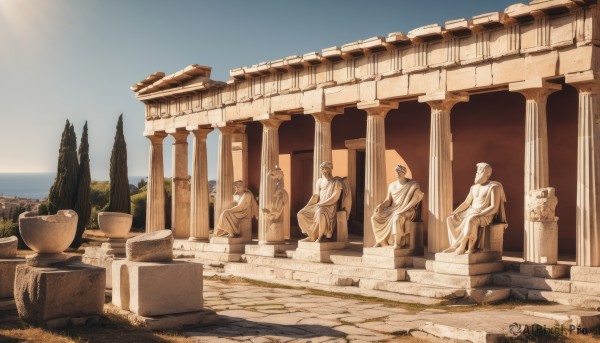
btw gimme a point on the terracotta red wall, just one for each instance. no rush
(489, 128)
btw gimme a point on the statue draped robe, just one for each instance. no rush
(466, 224)
(245, 208)
(390, 220)
(317, 221)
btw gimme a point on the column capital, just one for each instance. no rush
(377, 107)
(534, 89)
(226, 129)
(442, 100)
(324, 116)
(199, 131)
(179, 135)
(155, 137)
(586, 82)
(272, 123)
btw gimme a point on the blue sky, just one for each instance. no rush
(75, 59)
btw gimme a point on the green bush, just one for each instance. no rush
(138, 210)
(8, 228)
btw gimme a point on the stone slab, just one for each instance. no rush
(346, 258)
(227, 240)
(218, 256)
(478, 257)
(391, 252)
(587, 288)
(578, 300)
(411, 288)
(549, 271)
(270, 250)
(169, 321)
(565, 315)
(323, 279)
(152, 288)
(517, 280)
(467, 269)
(386, 262)
(447, 280)
(585, 274)
(312, 255)
(154, 246)
(54, 297)
(8, 268)
(322, 246)
(8, 247)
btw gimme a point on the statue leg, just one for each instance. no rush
(322, 226)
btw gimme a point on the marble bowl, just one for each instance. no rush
(115, 224)
(48, 234)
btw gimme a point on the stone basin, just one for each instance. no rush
(115, 224)
(48, 234)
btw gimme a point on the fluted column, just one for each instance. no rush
(199, 216)
(180, 185)
(155, 200)
(269, 158)
(440, 168)
(588, 169)
(224, 195)
(375, 180)
(322, 141)
(536, 94)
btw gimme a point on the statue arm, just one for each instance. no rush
(386, 203)
(416, 198)
(466, 204)
(333, 198)
(241, 205)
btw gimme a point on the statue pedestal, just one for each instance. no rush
(224, 249)
(7, 281)
(389, 257)
(542, 242)
(317, 252)
(102, 257)
(58, 296)
(246, 230)
(268, 249)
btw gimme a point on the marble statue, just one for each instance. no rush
(483, 206)
(331, 194)
(278, 208)
(400, 206)
(244, 206)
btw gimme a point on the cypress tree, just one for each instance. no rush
(82, 202)
(62, 192)
(119, 198)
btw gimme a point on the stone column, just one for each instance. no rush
(269, 158)
(225, 180)
(199, 216)
(155, 201)
(440, 168)
(588, 169)
(180, 185)
(322, 142)
(536, 93)
(239, 146)
(375, 180)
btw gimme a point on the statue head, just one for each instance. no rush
(400, 171)
(484, 172)
(326, 168)
(238, 187)
(276, 174)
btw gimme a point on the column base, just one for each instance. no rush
(546, 271)
(269, 249)
(317, 252)
(202, 240)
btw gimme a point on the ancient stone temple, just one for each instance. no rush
(518, 89)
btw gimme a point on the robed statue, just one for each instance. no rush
(244, 207)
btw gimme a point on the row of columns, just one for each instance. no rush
(536, 93)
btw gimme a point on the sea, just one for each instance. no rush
(34, 185)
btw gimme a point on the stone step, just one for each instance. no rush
(446, 280)
(218, 256)
(411, 288)
(418, 262)
(180, 253)
(466, 269)
(548, 271)
(476, 258)
(488, 295)
(586, 288)
(578, 300)
(243, 269)
(323, 279)
(517, 280)
(565, 315)
(325, 268)
(585, 274)
(346, 258)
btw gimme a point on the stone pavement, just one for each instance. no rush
(251, 313)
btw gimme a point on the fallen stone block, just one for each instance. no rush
(154, 246)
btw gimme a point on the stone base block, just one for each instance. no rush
(55, 297)
(392, 252)
(116, 245)
(246, 230)
(269, 250)
(585, 274)
(8, 268)
(478, 257)
(447, 280)
(100, 257)
(153, 288)
(312, 255)
(548, 271)
(47, 260)
(517, 280)
(322, 246)
(467, 269)
(386, 262)
(543, 246)
(488, 295)
(169, 321)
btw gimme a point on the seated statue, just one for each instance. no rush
(277, 212)
(331, 194)
(483, 206)
(399, 207)
(244, 206)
